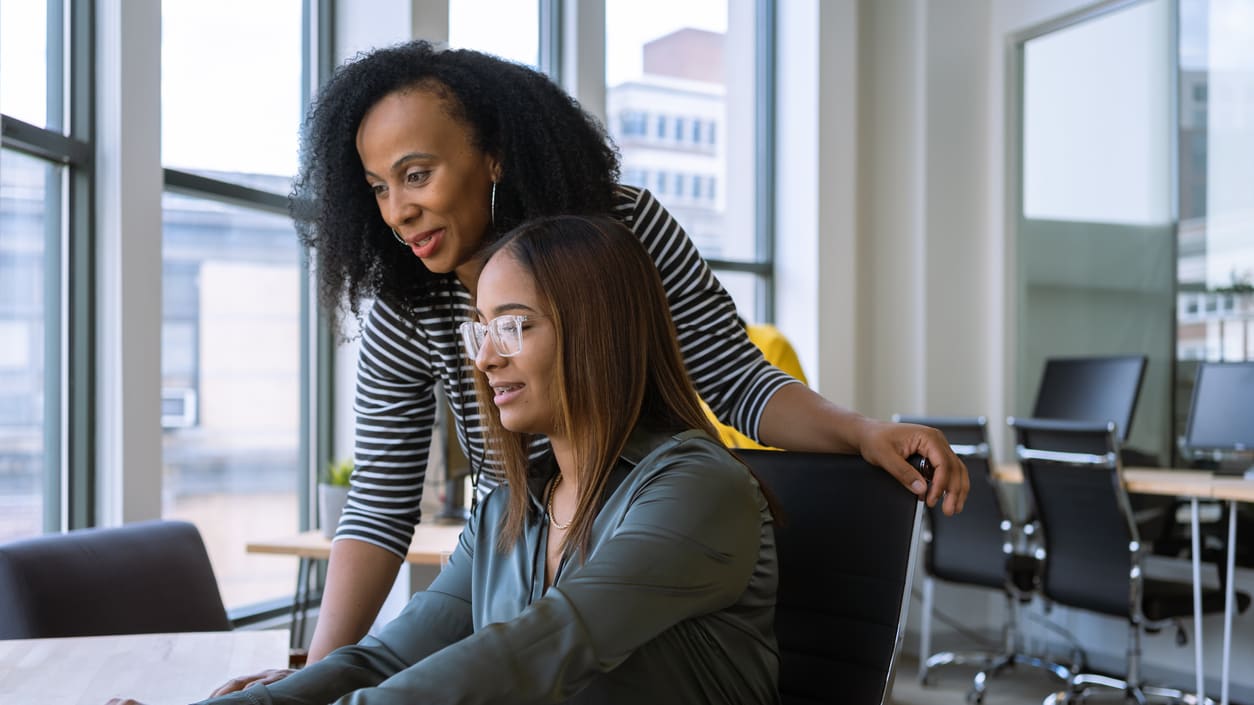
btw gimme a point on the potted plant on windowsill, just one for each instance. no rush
(332, 494)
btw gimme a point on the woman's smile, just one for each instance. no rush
(504, 393)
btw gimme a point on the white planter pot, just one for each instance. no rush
(331, 499)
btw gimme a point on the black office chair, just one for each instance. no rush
(142, 578)
(978, 547)
(845, 541)
(1093, 554)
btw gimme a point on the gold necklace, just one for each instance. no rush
(552, 517)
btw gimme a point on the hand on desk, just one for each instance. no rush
(235, 684)
(264, 677)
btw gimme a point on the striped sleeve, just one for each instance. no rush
(395, 411)
(728, 371)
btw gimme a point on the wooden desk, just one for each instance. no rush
(430, 543)
(1157, 481)
(151, 668)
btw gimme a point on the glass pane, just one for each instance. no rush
(513, 33)
(674, 113)
(1095, 120)
(1094, 243)
(230, 390)
(1215, 267)
(231, 89)
(28, 210)
(744, 289)
(24, 60)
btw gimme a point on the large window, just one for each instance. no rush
(44, 153)
(232, 279)
(683, 88)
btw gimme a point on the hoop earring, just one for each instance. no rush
(492, 208)
(399, 238)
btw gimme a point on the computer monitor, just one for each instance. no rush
(1096, 389)
(1221, 418)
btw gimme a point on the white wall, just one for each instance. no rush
(815, 222)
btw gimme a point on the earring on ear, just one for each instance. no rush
(492, 208)
(399, 238)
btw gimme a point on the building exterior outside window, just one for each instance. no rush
(681, 86)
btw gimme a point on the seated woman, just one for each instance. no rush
(634, 563)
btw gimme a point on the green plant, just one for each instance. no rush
(338, 472)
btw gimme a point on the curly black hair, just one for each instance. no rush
(555, 159)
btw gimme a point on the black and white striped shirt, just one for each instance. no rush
(404, 355)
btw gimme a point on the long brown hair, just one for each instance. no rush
(618, 356)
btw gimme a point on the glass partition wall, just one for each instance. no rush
(1095, 231)
(1135, 216)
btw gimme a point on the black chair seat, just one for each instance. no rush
(1168, 599)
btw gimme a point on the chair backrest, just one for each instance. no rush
(972, 546)
(142, 578)
(1094, 388)
(1089, 535)
(845, 541)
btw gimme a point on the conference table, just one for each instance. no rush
(151, 668)
(430, 544)
(1195, 485)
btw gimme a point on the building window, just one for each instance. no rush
(661, 127)
(679, 129)
(634, 123)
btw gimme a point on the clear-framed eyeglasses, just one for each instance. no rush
(506, 333)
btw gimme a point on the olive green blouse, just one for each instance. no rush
(674, 604)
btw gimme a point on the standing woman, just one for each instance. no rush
(413, 160)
